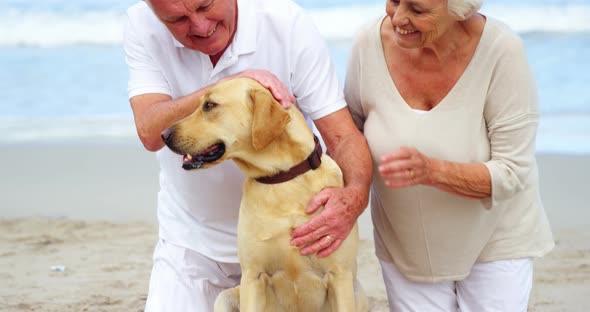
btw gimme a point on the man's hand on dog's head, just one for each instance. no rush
(268, 80)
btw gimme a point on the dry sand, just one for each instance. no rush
(91, 210)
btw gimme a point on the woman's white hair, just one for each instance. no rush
(462, 9)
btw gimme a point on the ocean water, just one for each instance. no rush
(63, 76)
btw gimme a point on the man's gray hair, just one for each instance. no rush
(462, 9)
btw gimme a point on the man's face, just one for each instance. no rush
(207, 26)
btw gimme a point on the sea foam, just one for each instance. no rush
(102, 27)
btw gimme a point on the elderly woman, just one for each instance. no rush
(448, 105)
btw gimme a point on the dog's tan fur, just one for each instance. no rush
(263, 139)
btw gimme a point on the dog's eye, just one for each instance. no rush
(208, 106)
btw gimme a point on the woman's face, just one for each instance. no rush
(417, 23)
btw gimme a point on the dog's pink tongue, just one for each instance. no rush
(211, 148)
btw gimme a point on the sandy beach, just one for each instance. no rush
(78, 226)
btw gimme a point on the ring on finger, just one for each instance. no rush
(329, 238)
(411, 173)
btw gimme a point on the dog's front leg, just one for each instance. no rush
(253, 291)
(228, 300)
(341, 292)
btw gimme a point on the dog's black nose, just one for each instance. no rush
(167, 136)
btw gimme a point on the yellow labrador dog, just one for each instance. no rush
(239, 119)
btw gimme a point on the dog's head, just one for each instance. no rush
(234, 117)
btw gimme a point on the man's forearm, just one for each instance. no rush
(352, 155)
(156, 112)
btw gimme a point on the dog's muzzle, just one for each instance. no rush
(209, 155)
(189, 160)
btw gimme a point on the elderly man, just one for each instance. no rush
(177, 49)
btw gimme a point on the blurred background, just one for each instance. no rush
(63, 74)
(78, 191)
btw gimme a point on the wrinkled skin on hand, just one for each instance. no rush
(326, 231)
(268, 80)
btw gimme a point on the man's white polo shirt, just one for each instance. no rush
(198, 209)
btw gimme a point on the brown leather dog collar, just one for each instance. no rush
(312, 162)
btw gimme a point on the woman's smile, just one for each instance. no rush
(405, 31)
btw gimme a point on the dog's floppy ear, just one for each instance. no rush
(269, 118)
